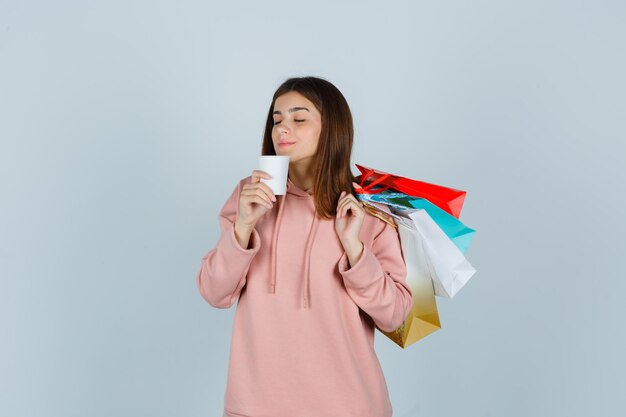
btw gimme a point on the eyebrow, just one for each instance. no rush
(291, 110)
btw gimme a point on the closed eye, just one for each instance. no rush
(296, 120)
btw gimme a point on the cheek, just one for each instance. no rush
(315, 136)
(313, 132)
(308, 135)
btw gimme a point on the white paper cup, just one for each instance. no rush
(278, 167)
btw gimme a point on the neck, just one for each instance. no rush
(300, 176)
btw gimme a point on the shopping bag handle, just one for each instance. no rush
(374, 211)
(367, 189)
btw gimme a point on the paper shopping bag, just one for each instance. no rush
(448, 199)
(449, 269)
(424, 317)
(456, 231)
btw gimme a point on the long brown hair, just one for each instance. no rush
(331, 162)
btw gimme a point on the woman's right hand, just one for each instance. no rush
(255, 200)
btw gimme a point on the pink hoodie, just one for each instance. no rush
(303, 334)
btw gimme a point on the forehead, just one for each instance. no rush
(293, 99)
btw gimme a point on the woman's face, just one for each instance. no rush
(297, 127)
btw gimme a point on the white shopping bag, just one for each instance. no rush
(423, 319)
(449, 270)
(445, 263)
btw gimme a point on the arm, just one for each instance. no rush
(377, 280)
(224, 269)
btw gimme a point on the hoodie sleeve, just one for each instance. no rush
(377, 281)
(224, 269)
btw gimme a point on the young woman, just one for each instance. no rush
(312, 273)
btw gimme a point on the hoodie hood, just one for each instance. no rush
(293, 191)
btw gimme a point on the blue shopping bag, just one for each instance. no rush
(459, 234)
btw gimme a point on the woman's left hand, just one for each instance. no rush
(349, 219)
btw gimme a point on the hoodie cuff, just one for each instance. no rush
(234, 248)
(364, 272)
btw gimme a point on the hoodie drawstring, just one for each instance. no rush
(281, 205)
(307, 262)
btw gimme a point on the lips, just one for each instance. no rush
(285, 143)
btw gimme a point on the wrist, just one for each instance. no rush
(352, 245)
(243, 227)
(354, 251)
(243, 235)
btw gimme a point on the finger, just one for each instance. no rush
(251, 197)
(257, 174)
(356, 201)
(343, 207)
(260, 200)
(253, 187)
(264, 193)
(339, 208)
(267, 190)
(347, 197)
(340, 202)
(356, 186)
(256, 191)
(353, 206)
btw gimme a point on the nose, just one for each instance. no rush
(282, 129)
